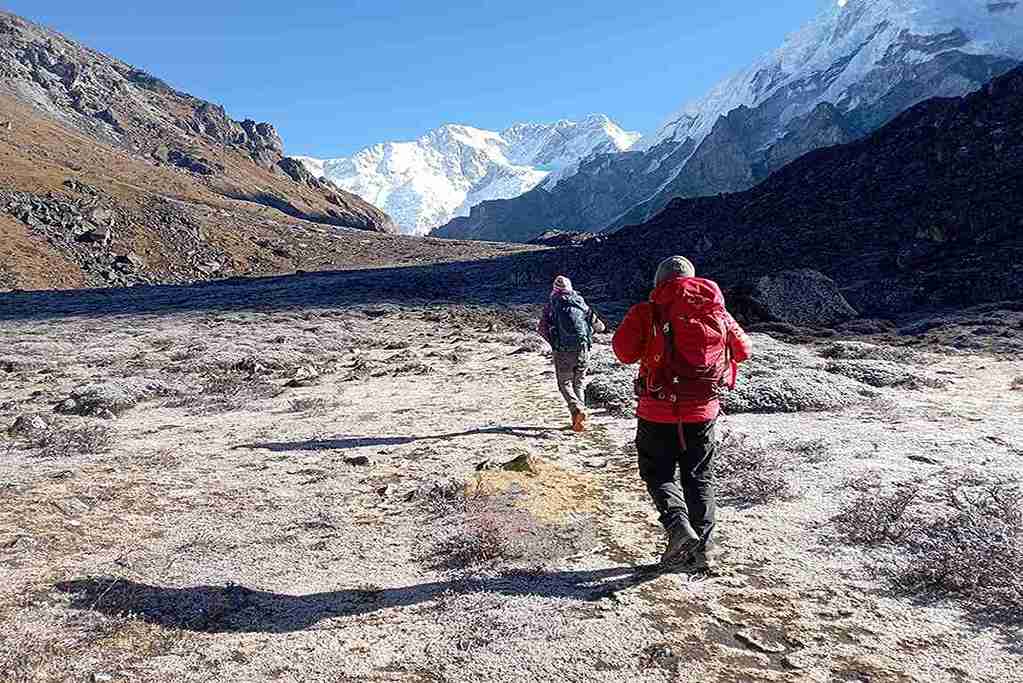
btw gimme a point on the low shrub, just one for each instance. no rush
(969, 548)
(877, 516)
(308, 405)
(749, 474)
(63, 441)
(974, 551)
(479, 527)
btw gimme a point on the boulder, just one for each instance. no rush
(129, 262)
(105, 399)
(96, 235)
(884, 373)
(802, 297)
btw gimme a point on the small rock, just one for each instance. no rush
(595, 463)
(71, 506)
(754, 643)
(101, 216)
(357, 460)
(129, 262)
(523, 463)
(96, 235)
(209, 267)
(795, 662)
(101, 678)
(27, 426)
(924, 459)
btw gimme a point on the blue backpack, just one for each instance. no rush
(570, 326)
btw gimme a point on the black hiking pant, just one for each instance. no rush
(688, 450)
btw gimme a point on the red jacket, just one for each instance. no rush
(631, 345)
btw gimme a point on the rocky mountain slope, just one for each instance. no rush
(108, 176)
(926, 212)
(427, 182)
(848, 72)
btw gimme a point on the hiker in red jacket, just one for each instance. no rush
(688, 347)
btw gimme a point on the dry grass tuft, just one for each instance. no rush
(749, 474)
(971, 547)
(974, 551)
(308, 405)
(875, 516)
(481, 527)
(64, 441)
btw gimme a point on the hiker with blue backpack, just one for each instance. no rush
(689, 348)
(568, 324)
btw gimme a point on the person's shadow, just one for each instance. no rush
(237, 609)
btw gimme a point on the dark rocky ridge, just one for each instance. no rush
(926, 212)
(614, 190)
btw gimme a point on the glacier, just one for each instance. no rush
(426, 182)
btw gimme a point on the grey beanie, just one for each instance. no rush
(674, 266)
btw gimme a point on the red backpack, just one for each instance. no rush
(689, 357)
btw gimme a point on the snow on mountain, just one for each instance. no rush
(830, 56)
(851, 70)
(427, 182)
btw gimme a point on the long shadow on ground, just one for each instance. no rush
(466, 281)
(350, 442)
(237, 609)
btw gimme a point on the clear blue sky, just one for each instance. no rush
(336, 76)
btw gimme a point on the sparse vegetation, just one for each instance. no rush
(483, 527)
(748, 474)
(308, 405)
(876, 515)
(974, 550)
(228, 391)
(64, 440)
(971, 548)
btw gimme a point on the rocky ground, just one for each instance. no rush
(312, 478)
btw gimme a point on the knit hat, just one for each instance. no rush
(562, 285)
(676, 266)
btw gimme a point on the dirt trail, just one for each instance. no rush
(234, 533)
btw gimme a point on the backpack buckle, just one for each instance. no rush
(675, 380)
(674, 398)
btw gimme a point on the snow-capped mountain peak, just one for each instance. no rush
(444, 173)
(831, 55)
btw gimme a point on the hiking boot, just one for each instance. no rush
(579, 422)
(682, 544)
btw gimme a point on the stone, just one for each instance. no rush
(802, 297)
(751, 641)
(101, 216)
(27, 426)
(525, 463)
(93, 234)
(111, 397)
(129, 262)
(357, 460)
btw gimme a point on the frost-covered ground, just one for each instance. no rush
(273, 502)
